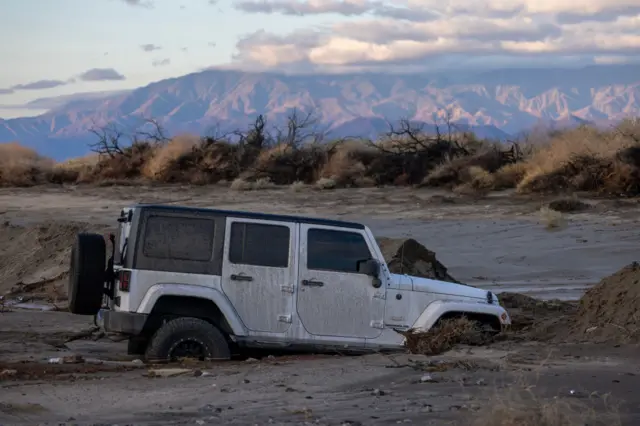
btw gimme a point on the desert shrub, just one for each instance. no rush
(587, 159)
(22, 166)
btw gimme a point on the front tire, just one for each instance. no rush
(187, 338)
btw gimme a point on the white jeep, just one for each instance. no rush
(194, 282)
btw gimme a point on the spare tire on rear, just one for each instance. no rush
(87, 274)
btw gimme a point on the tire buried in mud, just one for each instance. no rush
(87, 274)
(187, 337)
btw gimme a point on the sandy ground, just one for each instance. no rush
(499, 242)
(296, 390)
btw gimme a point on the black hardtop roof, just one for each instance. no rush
(252, 215)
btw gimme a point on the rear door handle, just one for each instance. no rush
(312, 283)
(235, 277)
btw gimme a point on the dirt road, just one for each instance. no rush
(499, 242)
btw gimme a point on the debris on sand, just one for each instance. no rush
(34, 260)
(407, 256)
(610, 311)
(528, 313)
(444, 336)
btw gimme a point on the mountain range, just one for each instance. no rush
(495, 104)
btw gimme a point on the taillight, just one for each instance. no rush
(124, 278)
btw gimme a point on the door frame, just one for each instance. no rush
(292, 268)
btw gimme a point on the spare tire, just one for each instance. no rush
(87, 274)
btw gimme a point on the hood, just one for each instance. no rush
(450, 289)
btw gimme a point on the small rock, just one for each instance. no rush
(168, 372)
(250, 360)
(199, 422)
(378, 392)
(481, 382)
(137, 362)
(271, 357)
(246, 381)
(428, 378)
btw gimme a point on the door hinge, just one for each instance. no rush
(380, 295)
(284, 318)
(377, 324)
(286, 288)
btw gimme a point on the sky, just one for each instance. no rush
(61, 47)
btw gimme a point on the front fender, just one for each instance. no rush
(155, 292)
(436, 309)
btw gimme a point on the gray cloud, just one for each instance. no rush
(34, 85)
(101, 74)
(292, 7)
(40, 85)
(139, 3)
(161, 62)
(95, 74)
(150, 47)
(601, 16)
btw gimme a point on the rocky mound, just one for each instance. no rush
(407, 256)
(610, 311)
(34, 260)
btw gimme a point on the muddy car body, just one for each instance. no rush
(196, 282)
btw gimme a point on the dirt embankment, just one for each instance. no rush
(34, 260)
(608, 312)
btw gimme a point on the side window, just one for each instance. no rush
(331, 250)
(259, 244)
(179, 238)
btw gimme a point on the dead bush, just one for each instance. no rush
(552, 219)
(444, 336)
(285, 164)
(509, 176)
(21, 166)
(587, 159)
(165, 158)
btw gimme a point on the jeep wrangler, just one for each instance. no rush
(195, 282)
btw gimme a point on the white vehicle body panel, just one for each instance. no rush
(275, 308)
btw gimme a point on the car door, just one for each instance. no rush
(258, 272)
(333, 298)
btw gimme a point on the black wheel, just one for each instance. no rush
(137, 345)
(187, 338)
(87, 274)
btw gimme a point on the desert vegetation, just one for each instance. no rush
(301, 157)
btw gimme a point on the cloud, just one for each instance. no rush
(422, 34)
(101, 74)
(161, 62)
(148, 4)
(95, 74)
(150, 47)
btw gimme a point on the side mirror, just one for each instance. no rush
(369, 267)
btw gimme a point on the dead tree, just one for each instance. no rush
(114, 141)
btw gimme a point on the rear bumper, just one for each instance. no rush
(130, 323)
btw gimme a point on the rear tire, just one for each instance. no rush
(87, 274)
(189, 338)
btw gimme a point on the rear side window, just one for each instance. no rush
(259, 244)
(179, 238)
(329, 250)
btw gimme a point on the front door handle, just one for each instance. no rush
(235, 277)
(312, 283)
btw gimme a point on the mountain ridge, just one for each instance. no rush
(493, 104)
